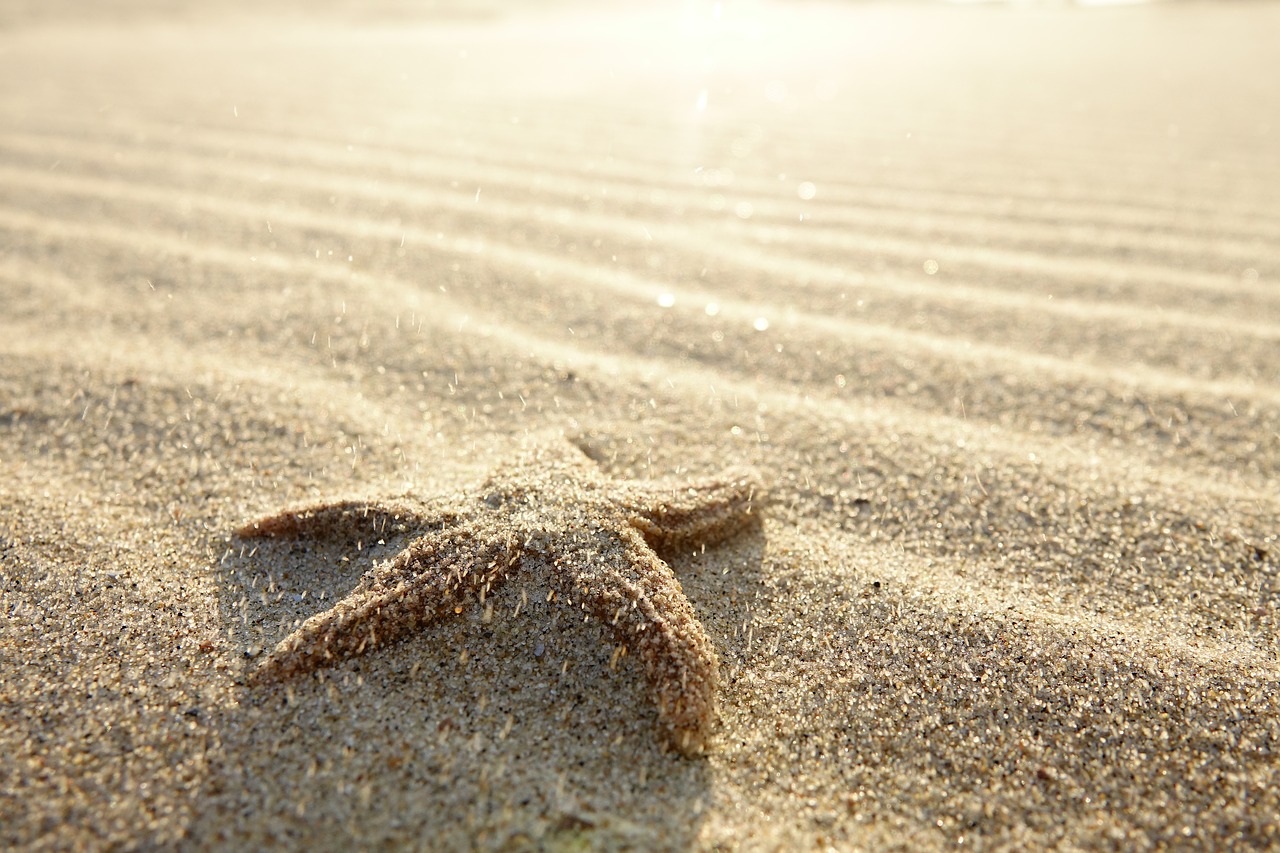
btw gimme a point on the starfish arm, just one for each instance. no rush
(430, 579)
(346, 521)
(635, 593)
(683, 515)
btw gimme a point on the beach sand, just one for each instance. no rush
(987, 296)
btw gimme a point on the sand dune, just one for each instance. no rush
(987, 296)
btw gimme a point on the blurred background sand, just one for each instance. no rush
(987, 293)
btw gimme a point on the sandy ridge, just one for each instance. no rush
(556, 162)
(725, 245)
(360, 166)
(1217, 397)
(942, 231)
(825, 273)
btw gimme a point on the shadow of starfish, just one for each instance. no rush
(596, 536)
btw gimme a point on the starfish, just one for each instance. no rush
(552, 508)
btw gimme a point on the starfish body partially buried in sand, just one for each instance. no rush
(598, 538)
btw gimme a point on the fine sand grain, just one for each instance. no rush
(989, 297)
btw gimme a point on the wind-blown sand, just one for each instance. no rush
(988, 296)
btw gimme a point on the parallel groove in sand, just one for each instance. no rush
(906, 231)
(1153, 283)
(1217, 403)
(629, 284)
(625, 286)
(749, 258)
(555, 145)
(772, 203)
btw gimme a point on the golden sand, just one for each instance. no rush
(987, 296)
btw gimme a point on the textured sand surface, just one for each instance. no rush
(990, 297)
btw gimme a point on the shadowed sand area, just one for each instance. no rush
(989, 297)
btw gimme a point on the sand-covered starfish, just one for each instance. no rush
(598, 538)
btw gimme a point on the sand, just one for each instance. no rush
(988, 296)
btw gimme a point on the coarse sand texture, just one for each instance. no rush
(684, 426)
